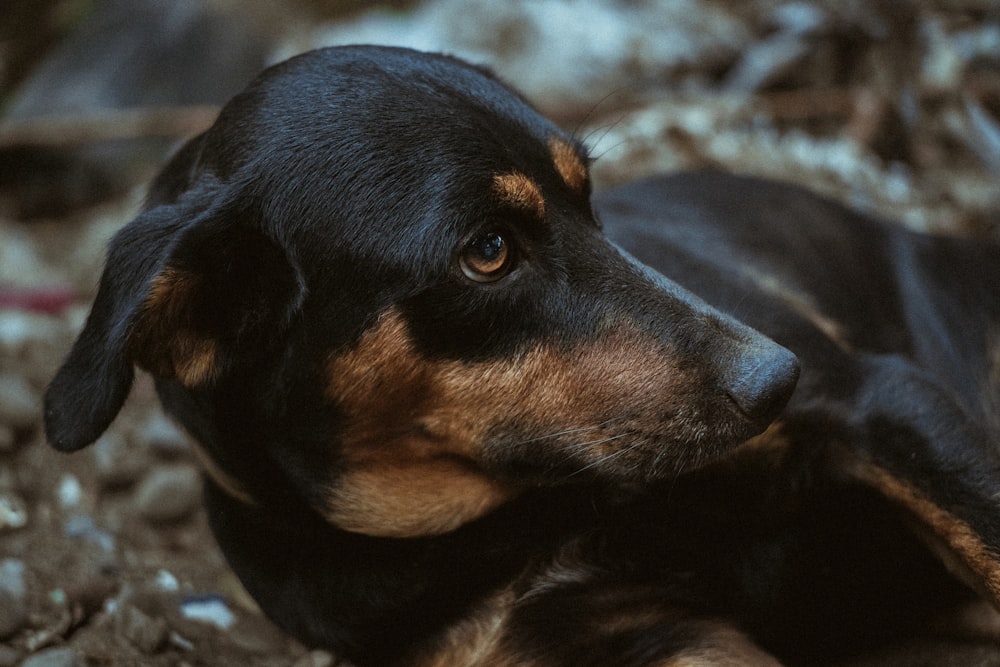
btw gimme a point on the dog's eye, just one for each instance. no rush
(486, 258)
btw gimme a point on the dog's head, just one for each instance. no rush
(376, 284)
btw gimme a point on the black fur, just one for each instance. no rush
(338, 194)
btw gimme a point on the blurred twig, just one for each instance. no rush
(103, 125)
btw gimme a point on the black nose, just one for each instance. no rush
(762, 381)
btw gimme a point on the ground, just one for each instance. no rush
(105, 555)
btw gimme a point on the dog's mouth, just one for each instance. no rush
(666, 419)
(631, 449)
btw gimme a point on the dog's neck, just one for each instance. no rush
(338, 589)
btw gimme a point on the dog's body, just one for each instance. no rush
(446, 422)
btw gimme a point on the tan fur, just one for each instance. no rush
(773, 439)
(478, 640)
(720, 645)
(953, 540)
(162, 340)
(520, 192)
(415, 429)
(570, 166)
(413, 497)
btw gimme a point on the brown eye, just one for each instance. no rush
(486, 258)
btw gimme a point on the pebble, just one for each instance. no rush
(163, 436)
(20, 329)
(20, 404)
(169, 493)
(54, 657)
(210, 609)
(166, 582)
(148, 634)
(13, 512)
(69, 492)
(12, 577)
(117, 463)
(84, 528)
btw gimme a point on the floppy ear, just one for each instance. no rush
(180, 297)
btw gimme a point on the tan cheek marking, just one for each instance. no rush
(399, 481)
(412, 498)
(568, 163)
(414, 428)
(520, 192)
(162, 341)
(427, 408)
(950, 538)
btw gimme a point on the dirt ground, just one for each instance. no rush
(105, 554)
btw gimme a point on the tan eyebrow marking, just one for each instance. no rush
(519, 191)
(568, 163)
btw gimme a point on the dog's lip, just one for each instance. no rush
(657, 453)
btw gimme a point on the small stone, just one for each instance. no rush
(20, 404)
(12, 577)
(210, 609)
(169, 494)
(163, 436)
(13, 512)
(117, 463)
(180, 642)
(165, 581)
(316, 658)
(148, 634)
(69, 492)
(53, 657)
(84, 528)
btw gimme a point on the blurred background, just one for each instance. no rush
(891, 106)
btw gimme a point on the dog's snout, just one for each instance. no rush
(762, 381)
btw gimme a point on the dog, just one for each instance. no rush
(454, 409)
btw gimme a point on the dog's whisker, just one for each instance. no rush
(572, 449)
(593, 112)
(571, 431)
(605, 459)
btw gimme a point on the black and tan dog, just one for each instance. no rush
(449, 417)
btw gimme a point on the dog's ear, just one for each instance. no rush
(182, 296)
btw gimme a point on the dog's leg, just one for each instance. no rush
(609, 628)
